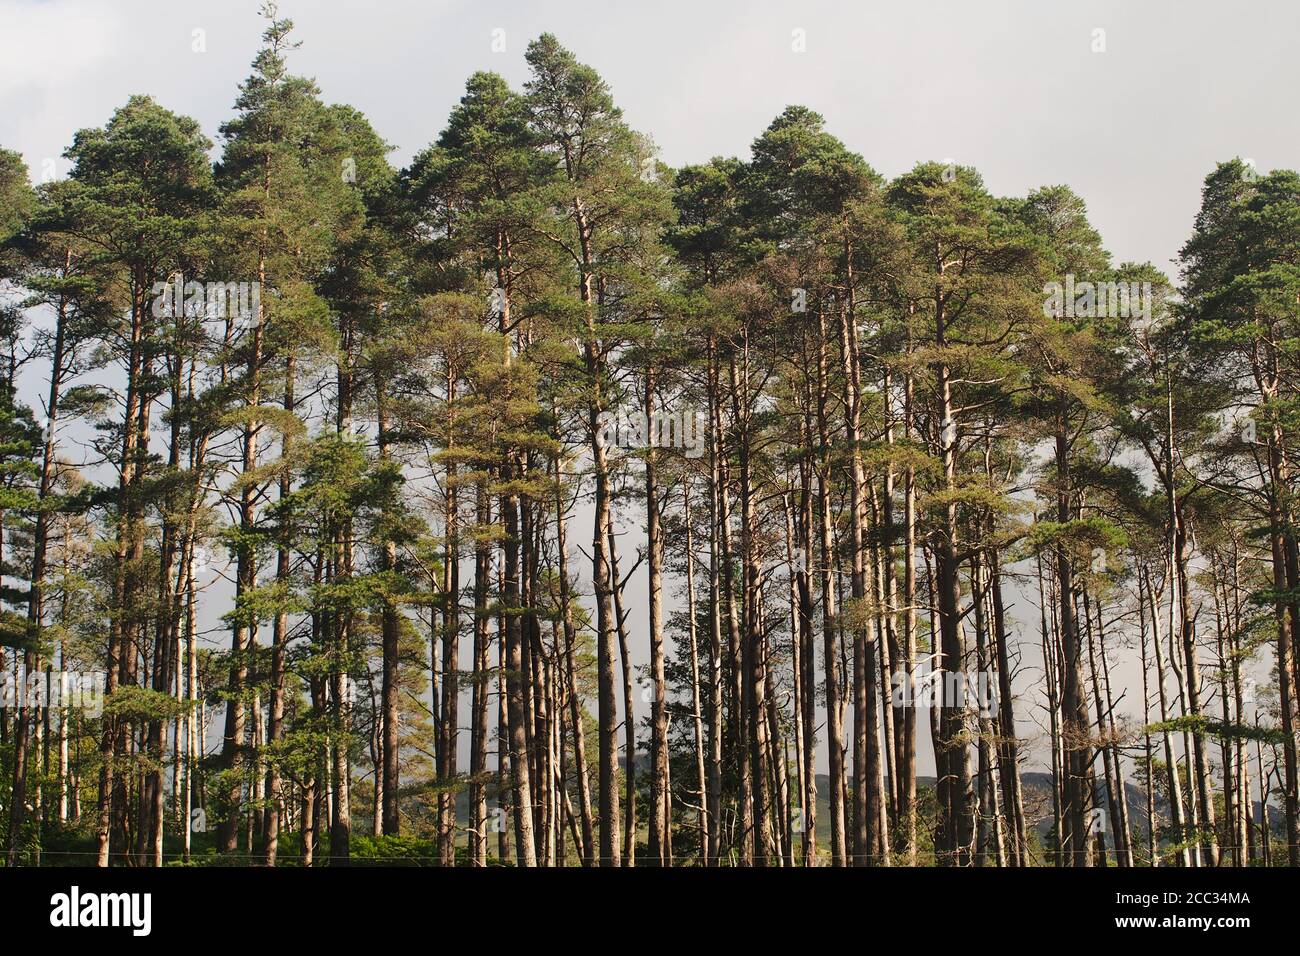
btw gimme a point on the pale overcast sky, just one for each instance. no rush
(1012, 88)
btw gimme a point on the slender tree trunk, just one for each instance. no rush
(1075, 722)
(1175, 783)
(588, 846)
(830, 626)
(390, 808)
(478, 816)
(697, 707)
(659, 839)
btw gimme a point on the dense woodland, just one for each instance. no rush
(369, 578)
